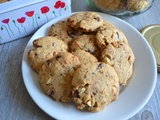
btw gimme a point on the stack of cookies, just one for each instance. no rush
(84, 59)
(121, 5)
(2, 1)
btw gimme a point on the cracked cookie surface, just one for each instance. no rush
(44, 49)
(120, 56)
(84, 56)
(87, 43)
(111, 5)
(63, 31)
(95, 85)
(85, 21)
(56, 76)
(107, 34)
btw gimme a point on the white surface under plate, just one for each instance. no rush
(131, 99)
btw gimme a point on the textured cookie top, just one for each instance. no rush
(84, 56)
(44, 49)
(56, 76)
(2, 1)
(107, 34)
(111, 5)
(87, 43)
(85, 21)
(63, 31)
(137, 5)
(120, 56)
(95, 85)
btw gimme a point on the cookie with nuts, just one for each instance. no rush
(95, 85)
(85, 21)
(44, 49)
(84, 57)
(137, 5)
(87, 43)
(110, 5)
(3, 1)
(63, 31)
(107, 34)
(56, 76)
(120, 56)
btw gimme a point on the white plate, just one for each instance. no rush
(131, 99)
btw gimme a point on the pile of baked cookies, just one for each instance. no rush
(121, 5)
(3, 1)
(84, 59)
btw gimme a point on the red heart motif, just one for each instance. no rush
(21, 20)
(29, 13)
(6, 21)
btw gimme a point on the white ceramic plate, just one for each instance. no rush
(131, 99)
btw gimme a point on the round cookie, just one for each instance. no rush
(110, 5)
(44, 49)
(137, 5)
(2, 1)
(85, 21)
(84, 56)
(63, 31)
(120, 56)
(95, 85)
(56, 76)
(87, 43)
(107, 34)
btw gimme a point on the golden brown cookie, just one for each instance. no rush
(63, 31)
(87, 43)
(111, 5)
(3, 1)
(56, 76)
(85, 21)
(44, 49)
(137, 5)
(120, 56)
(107, 34)
(95, 85)
(85, 57)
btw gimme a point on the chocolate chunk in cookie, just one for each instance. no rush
(107, 34)
(63, 31)
(84, 56)
(87, 43)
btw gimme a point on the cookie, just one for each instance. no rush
(120, 56)
(107, 34)
(44, 49)
(85, 21)
(3, 1)
(87, 43)
(110, 5)
(56, 76)
(84, 56)
(63, 31)
(137, 5)
(95, 85)
(106, 24)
